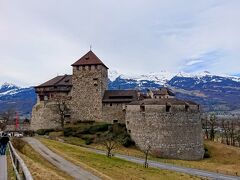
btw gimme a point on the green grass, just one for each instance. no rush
(109, 168)
(224, 159)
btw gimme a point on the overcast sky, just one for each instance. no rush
(40, 39)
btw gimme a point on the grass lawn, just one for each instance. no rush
(39, 167)
(224, 159)
(11, 173)
(112, 168)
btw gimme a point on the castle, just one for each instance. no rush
(171, 127)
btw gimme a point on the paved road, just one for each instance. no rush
(61, 163)
(3, 168)
(159, 165)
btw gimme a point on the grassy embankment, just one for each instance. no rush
(38, 166)
(223, 159)
(112, 167)
(11, 173)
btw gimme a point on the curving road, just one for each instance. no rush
(61, 163)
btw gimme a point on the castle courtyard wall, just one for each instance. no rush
(44, 116)
(176, 134)
(114, 112)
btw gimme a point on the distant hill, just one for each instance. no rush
(19, 99)
(213, 92)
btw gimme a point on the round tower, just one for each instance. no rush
(89, 80)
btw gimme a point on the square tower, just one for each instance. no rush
(89, 80)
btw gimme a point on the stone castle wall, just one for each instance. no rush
(176, 134)
(89, 85)
(44, 116)
(114, 112)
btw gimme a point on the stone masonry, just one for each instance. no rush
(175, 134)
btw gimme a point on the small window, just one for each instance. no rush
(77, 68)
(115, 121)
(186, 107)
(142, 108)
(84, 68)
(110, 104)
(129, 131)
(41, 97)
(168, 108)
(127, 122)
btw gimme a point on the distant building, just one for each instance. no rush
(171, 126)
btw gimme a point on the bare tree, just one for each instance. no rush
(110, 143)
(237, 138)
(205, 126)
(7, 117)
(146, 153)
(62, 109)
(226, 131)
(212, 123)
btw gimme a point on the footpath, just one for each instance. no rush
(3, 168)
(61, 163)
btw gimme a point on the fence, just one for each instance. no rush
(21, 170)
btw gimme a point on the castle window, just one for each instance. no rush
(127, 122)
(129, 131)
(115, 121)
(142, 108)
(168, 108)
(110, 104)
(186, 107)
(41, 97)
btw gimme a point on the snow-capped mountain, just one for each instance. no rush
(17, 98)
(213, 92)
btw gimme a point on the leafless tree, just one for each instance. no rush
(146, 153)
(110, 143)
(62, 109)
(7, 117)
(212, 123)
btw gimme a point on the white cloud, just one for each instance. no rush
(39, 39)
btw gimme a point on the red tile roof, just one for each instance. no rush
(119, 96)
(89, 59)
(164, 101)
(65, 80)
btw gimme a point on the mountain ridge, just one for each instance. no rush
(213, 92)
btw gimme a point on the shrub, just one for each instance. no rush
(88, 139)
(29, 133)
(206, 153)
(98, 128)
(44, 131)
(127, 141)
(68, 131)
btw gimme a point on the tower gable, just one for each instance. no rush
(89, 59)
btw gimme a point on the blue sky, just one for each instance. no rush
(40, 39)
